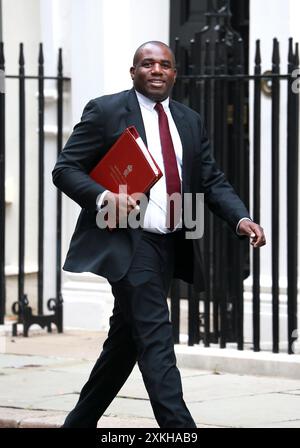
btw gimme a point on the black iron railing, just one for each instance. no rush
(21, 306)
(212, 80)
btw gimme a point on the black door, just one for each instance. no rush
(187, 18)
(225, 258)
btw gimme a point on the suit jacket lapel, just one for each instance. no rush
(185, 136)
(134, 115)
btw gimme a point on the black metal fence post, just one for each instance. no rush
(22, 168)
(22, 303)
(225, 305)
(275, 192)
(256, 196)
(292, 196)
(207, 244)
(41, 111)
(2, 186)
(220, 285)
(57, 304)
(240, 171)
(218, 320)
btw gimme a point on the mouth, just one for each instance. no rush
(156, 82)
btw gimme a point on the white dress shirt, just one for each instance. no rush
(156, 212)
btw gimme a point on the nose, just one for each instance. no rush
(156, 68)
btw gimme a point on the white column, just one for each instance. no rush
(16, 16)
(87, 298)
(76, 27)
(135, 22)
(104, 36)
(55, 29)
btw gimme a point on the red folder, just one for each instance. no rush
(128, 162)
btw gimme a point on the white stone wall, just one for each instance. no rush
(103, 37)
(17, 15)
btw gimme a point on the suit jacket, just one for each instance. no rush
(109, 254)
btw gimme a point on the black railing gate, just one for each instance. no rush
(212, 80)
(21, 306)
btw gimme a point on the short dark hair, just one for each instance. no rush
(151, 42)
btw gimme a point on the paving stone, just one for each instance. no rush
(128, 407)
(211, 387)
(132, 422)
(44, 378)
(11, 361)
(287, 424)
(12, 418)
(250, 411)
(46, 421)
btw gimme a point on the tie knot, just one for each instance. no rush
(159, 107)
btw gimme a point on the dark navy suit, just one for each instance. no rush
(139, 265)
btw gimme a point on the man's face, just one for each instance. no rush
(154, 72)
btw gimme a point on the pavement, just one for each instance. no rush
(42, 375)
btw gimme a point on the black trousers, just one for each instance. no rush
(140, 330)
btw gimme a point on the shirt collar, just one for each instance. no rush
(149, 104)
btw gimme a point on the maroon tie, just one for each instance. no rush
(173, 182)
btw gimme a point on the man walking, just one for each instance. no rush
(140, 263)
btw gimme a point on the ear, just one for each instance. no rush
(132, 72)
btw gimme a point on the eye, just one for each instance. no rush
(147, 64)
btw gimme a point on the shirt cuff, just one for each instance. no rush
(238, 225)
(100, 200)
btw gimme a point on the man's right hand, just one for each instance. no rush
(119, 205)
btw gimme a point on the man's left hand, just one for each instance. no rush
(253, 231)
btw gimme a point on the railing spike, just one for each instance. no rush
(21, 57)
(290, 53)
(297, 55)
(257, 53)
(60, 62)
(41, 54)
(276, 53)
